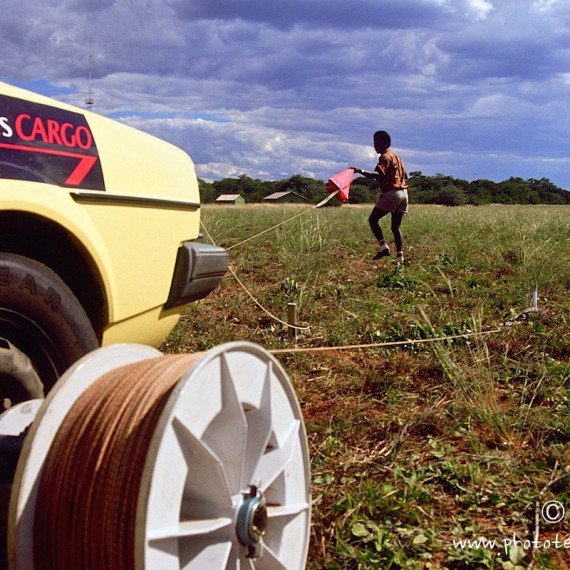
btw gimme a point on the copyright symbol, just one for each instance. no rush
(553, 512)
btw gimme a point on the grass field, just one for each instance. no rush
(415, 448)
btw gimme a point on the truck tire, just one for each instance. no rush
(41, 317)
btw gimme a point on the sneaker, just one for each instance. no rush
(382, 253)
(400, 259)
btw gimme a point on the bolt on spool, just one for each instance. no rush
(252, 521)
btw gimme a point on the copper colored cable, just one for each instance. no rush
(88, 491)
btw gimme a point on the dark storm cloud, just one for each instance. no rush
(524, 54)
(334, 14)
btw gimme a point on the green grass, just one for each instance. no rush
(417, 445)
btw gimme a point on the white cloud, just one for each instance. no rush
(497, 105)
(472, 9)
(479, 8)
(548, 5)
(416, 52)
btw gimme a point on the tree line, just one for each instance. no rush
(438, 189)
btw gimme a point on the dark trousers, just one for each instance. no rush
(374, 221)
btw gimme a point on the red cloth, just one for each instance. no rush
(341, 181)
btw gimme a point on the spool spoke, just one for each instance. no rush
(206, 489)
(259, 429)
(285, 524)
(238, 561)
(273, 463)
(191, 555)
(191, 528)
(227, 433)
(288, 511)
(269, 561)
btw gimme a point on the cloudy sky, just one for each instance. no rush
(272, 88)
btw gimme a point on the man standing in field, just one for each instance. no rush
(391, 176)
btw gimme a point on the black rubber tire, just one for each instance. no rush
(43, 319)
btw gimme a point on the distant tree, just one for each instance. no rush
(313, 190)
(423, 189)
(363, 191)
(207, 191)
(226, 186)
(253, 190)
(479, 195)
(548, 192)
(451, 196)
(484, 192)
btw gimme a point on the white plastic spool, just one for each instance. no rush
(226, 482)
(15, 420)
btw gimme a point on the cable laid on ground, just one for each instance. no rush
(250, 295)
(382, 344)
(247, 291)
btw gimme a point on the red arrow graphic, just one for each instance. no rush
(78, 174)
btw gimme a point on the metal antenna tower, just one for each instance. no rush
(90, 100)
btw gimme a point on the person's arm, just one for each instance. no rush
(365, 173)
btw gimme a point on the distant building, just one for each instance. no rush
(230, 199)
(289, 197)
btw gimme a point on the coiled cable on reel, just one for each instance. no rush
(87, 496)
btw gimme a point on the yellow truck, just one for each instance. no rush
(134, 459)
(99, 230)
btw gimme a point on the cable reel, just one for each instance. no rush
(139, 460)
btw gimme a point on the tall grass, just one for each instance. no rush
(416, 446)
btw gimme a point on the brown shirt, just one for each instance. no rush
(390, 171)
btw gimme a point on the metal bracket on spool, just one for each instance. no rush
(252, 521)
